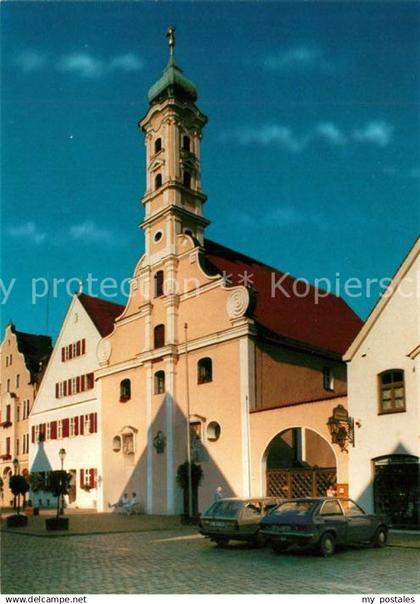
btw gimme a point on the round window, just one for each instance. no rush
(157, 236)
(116, 443)
(213, 431)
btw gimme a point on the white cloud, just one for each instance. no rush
(81, 63)
(287, 216)
(300, 57)
(127, 62)
(30, 60)
(267, 135)
(283, 216)
(331, 133)
(89, 232)
(375, 132)
(88, 66)
(27, 233)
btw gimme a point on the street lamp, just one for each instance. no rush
(62, 455)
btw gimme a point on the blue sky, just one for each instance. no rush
(310, 159)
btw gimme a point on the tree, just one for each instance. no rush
(19, 486)
(182, 475)
(59, 485)
(37, 482)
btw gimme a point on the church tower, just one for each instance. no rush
(173, 200)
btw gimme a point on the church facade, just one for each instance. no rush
(216, 357)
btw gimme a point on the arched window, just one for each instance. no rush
(159, 382)
(116, 443)
(204, 370)
(159, 336)
(186, 143)
(391, 391)
(187, 180)
(158, 145)
(213, 431)
(158, 181)
(125, 391)
(159, 276)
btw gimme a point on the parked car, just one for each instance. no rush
(236, 518)
(324, 523)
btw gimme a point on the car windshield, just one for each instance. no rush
(299, 508)
(225, 509)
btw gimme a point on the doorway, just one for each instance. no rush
(396, 489)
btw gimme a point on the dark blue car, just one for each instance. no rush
(323, 523)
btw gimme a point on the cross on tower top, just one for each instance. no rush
(171, 39)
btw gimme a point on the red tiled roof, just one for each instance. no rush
(102, 312)
(327, 323)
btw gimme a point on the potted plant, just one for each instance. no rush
(59, 485)
(19, 486)
(182, 479)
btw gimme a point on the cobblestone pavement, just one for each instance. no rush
(180, 561)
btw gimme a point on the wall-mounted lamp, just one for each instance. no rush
(341, 427)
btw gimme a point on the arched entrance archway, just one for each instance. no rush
(7, 472)
(299, 463)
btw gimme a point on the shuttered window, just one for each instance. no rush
(66, 427)
(73, 350)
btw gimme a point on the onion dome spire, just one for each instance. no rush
(173, 83)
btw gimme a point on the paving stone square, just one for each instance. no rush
(181, 561)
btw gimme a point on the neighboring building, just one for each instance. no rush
(384, 399)
(206, 349)
(65, 412)
(24, 357)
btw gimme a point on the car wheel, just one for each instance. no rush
(327, 545)
(278, 548)
(381, 537)
(259, 540)
(221, 541)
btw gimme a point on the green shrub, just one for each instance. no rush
(182, 475)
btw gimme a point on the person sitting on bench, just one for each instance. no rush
(121, 504)
(130, 506)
